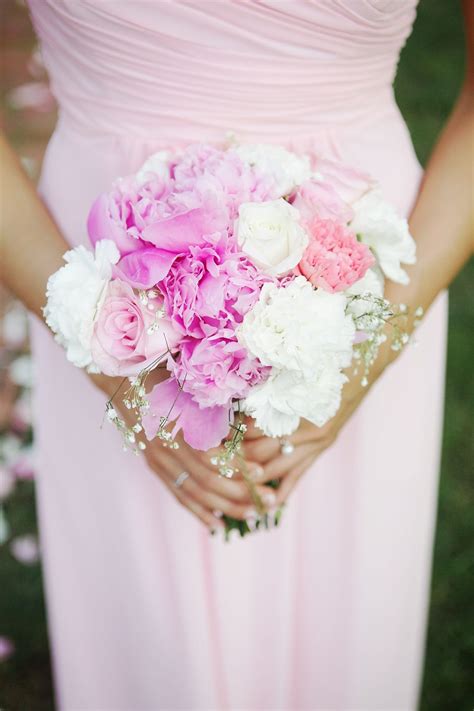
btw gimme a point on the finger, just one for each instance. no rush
(308, 432)
(285, 463)
(214, 502)
(233, 489)
(166, 470)
(261, 450)
(289, 482)
(212, 522)
(252, 431)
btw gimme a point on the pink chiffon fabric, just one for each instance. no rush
(146, 610)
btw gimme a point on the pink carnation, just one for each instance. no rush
(216, 370)
(127, 336)
(334, 259)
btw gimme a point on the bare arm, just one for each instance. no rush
(31, 249)
(442, 223)
(31, 246)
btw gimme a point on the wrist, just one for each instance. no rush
(107, 384)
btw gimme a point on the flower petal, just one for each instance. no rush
(145, 268)
(203, 428)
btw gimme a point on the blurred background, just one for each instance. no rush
(428, 80)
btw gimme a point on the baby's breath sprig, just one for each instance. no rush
(134, 400)
(378, 314)
(165, 435)
(230, 449)
(230, 461)
(129, 434)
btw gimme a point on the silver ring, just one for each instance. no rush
(179, 481)
(286, 447)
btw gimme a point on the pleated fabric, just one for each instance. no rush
(146, 610)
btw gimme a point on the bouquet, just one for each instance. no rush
(251, 275)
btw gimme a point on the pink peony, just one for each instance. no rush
(128, 336)
(123, 214)
(215, 370)
(334, 259)
(173, 234)
(202, 428)
(209, 289)
(207, 170)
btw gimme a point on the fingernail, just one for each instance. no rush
(217, 514)
(256, 472)
(252, 524)
(250, 515)
(269, 498)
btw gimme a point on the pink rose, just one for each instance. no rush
(128, 336)
(319, 199)
(350, 184)
(216, 370)
(334, 259)
(331, 193)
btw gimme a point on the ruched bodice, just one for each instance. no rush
(188, 69)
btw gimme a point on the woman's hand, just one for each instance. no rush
(204, 492)
(268, 461)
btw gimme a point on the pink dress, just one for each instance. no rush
(146, 610)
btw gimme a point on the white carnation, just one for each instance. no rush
(278, 404)
(74, 294)
(295, 327)
(264, 404)
(386, 233)
(157, 164)
(271, 235)
(287, 169)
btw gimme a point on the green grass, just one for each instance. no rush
(428, 80)
(429, 77)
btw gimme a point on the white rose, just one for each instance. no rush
(156, 164)
(386, 233)
(270, 233)
(278, 404)
(294, 327)
(287, 169)
(74, 294)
